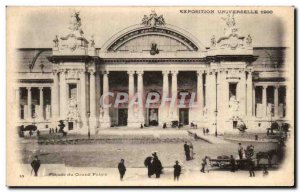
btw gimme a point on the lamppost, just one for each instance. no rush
(216, 115)
(88, 118)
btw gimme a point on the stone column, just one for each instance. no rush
(29, 103)
(130, 84)
(55, 97)
(62, 92)
(98, 90)
(213, 110)
(83, 106)
(41, 115)
(249, 94)
(222, 101)
(200, 91)
(92, 101)
(242, 94)
(276, 111)
(206, 93)
(140, 89)
(264, 100)
(208, 96)
(164, 109)
(174, 112)
(213, 94)
(92, 93)
(132, 120)
(105, 120)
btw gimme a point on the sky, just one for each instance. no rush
(36, 27)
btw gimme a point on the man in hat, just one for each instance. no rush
(251, 166)
(240, 150)
(148, 164)
(35, 164)
(177, 170)
(187, 151)
(122, 169)
(157, 166)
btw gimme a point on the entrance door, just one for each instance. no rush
(70, 126)
(184, 116)
(153, 117)
(122, 117)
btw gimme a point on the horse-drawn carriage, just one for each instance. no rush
(176, 124)
(278, 130)
(224, 161)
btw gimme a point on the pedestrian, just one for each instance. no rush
(203, 131)
(177, 170)
(207, 163)
(251, 167)
(164, 125)
(122, 169)
(232, 163)
(207, 131)
(38, 133)
(149, 164)
(187, 151)
(240, 150)
(192, 151)
(265, 171)
(35, 164)
(56, 130)
(203, 164)
(30, 133)
(157, 166)
(50, 131)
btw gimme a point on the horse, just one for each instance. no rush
(266, 155)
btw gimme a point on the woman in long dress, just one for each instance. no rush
(207, 163)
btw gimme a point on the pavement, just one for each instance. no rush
(58, 174)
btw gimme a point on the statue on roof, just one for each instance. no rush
(213, 41)
(55, 40)
(75, 23)
(145, 20)
(229, 20)
(249, 40)
(153, 20)
(230, 25)
(92, 41)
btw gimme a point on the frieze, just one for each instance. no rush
(35, 80)
(72, 74)
(152, 30)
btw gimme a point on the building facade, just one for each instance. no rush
(231, 82)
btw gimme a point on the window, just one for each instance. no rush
(232, 89)
(234, 124)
